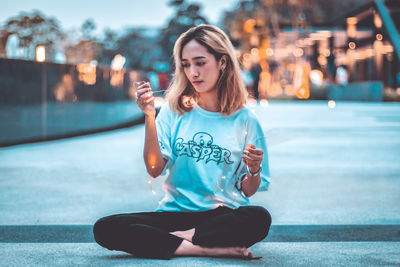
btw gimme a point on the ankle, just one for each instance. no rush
(187, 235)
(186, 248)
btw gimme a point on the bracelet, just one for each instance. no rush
(253, 173)
(238, 183)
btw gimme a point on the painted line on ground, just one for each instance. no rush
(278, 233)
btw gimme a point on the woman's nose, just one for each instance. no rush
(194, 72)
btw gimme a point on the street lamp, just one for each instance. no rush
(41, 57)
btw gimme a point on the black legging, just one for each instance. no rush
(147, 234)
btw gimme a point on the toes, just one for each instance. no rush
(245, 252)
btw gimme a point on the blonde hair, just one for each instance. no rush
(232, 93)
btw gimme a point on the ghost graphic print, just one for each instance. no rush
(201, 147)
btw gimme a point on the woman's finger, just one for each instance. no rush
(142, 91)
(147, 95)
(256, 151)
(250, 161)
(149, 100)
(144, 97)
(144, 88)
(255, 159)
(143, 85)
(252, 155)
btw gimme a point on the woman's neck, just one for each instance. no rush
(208, 101)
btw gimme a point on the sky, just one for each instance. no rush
(114, 14)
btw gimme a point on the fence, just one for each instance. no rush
(77, 99)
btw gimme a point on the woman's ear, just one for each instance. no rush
(222, 62)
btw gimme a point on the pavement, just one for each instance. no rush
(334, 195)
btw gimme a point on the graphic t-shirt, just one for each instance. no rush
(204, 151)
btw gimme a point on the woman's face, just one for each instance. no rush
(201, 67)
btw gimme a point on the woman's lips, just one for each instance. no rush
(197, 82)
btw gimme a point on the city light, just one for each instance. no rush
(269, 52)
(87, 73)
(64, 91)
(387, 49)
(249, 25)
(326, 34)
(40, 53)
(377, 21)
(308, 41)
(117, 71)
(351, 27)
(303, 93)
(352, 20)
(320, 35)
(254, 52)
(322, 60)
(264, 103)
(326, 52)
(298, 52)
(317, 78)
(118, 62)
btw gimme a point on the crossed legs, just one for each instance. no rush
(219, 232)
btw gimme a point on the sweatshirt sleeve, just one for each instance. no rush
(255, 136)
(163, 127)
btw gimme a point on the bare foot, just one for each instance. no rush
(187, 235)
(240, 252)
(188, 249)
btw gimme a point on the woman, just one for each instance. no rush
(215, 152)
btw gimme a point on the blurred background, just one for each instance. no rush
(324, 81)
(70, 68)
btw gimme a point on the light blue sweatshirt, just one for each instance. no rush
(204, 151)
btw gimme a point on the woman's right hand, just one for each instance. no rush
(145, 99)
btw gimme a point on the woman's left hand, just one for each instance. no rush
(252, 157)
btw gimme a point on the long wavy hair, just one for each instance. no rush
(232, 93)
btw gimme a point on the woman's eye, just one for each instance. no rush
(185, 65)
(200, 63)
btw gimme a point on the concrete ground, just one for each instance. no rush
(334, 195)
(360, 254)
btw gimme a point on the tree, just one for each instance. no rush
(107, 47)
(186, 16)
(87, 29)
(137, 48)
(138, 45)
(35, 29)
(3, 42)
